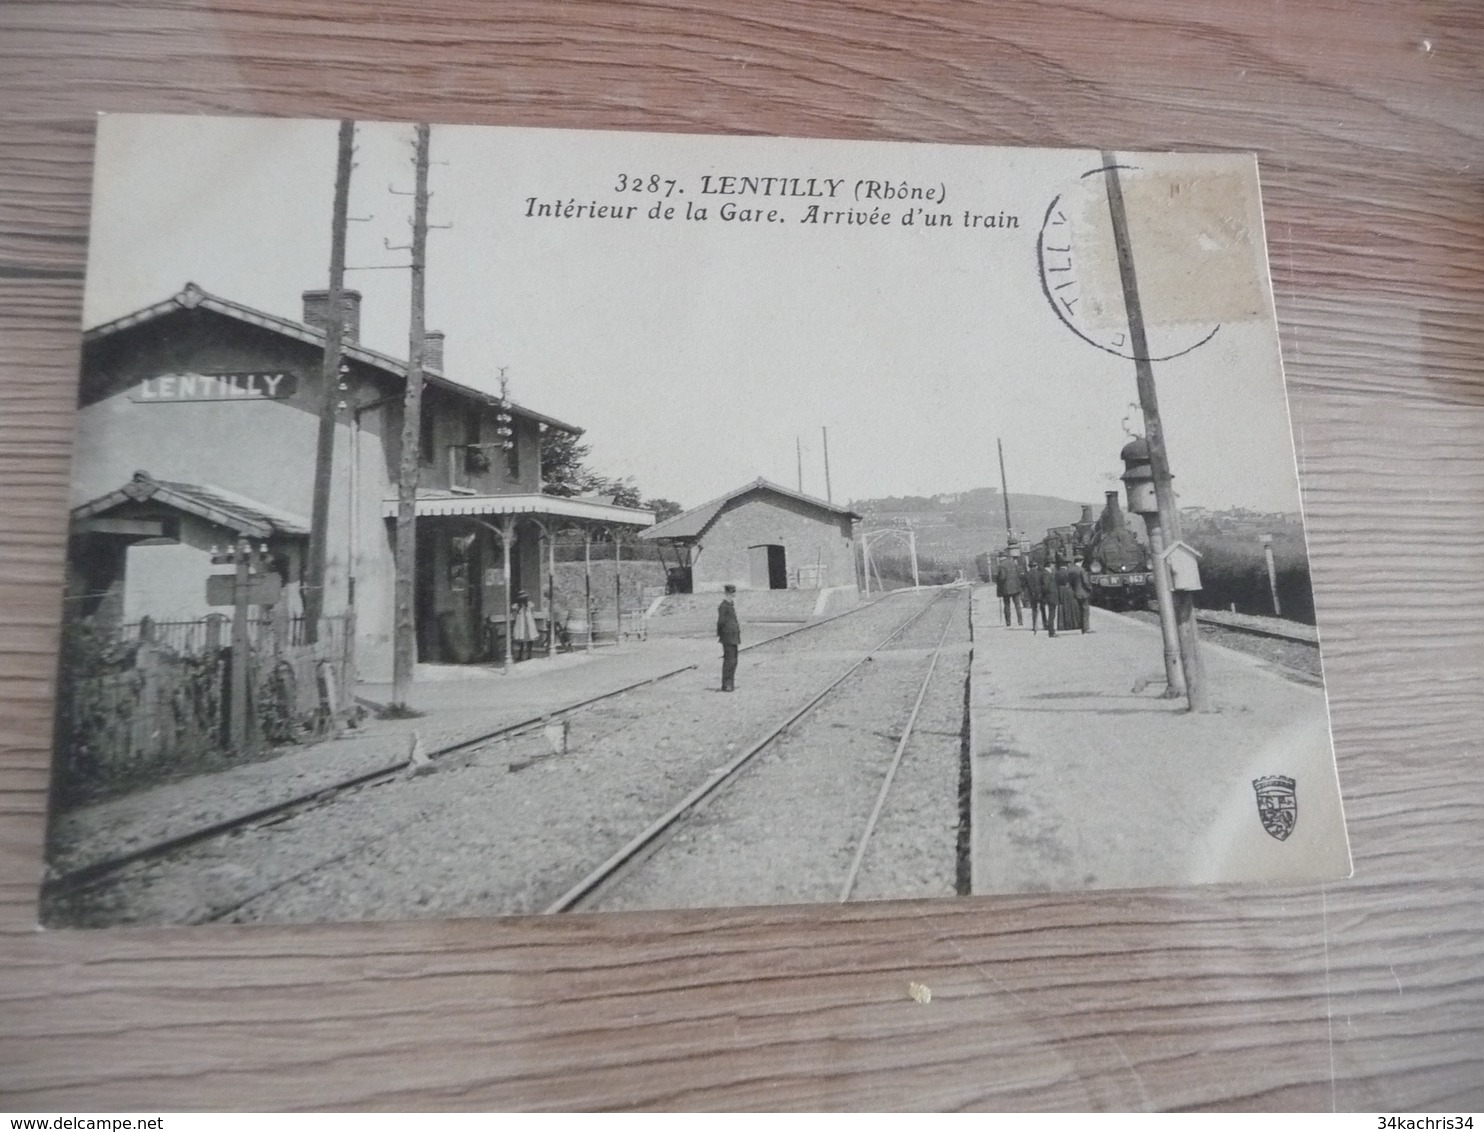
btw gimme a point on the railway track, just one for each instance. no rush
(639, 851)
(1275, 627)
(97, 871)
(1289, 645)
(100, 872)
(1246, 624)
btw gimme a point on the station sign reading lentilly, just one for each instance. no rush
(237, 385)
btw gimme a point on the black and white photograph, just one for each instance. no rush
(488, 521)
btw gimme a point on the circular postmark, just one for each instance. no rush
(1190, 250)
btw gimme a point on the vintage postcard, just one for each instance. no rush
(476, 521)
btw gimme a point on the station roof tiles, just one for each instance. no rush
(206, 501)
(690, 524)
(192, 296)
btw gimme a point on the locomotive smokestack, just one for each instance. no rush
(1112, 513)
(1084, 526)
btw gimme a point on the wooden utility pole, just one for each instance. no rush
(1005, 491)
(1267, 551)
(829, 495)
(799, 451)
(550, 594)
(617, 589)
(587, 583)
(507, 531)
(241, 725)
(1164, 486)
(324, 452)
(1164, 600)
(404, 645)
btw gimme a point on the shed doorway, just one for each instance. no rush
(769, 568)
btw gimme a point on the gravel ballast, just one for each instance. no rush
(507, 827)
(787, 830)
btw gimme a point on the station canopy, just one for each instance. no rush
(585, 508)
(214, 504)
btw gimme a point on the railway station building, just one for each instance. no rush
(197, 424)
(760, 537)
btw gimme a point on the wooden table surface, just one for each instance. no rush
(1368, 119)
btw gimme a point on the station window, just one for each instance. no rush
(476, 460)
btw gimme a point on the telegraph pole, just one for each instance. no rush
(799, 452)
(1164, 486)
(912, 543)
(829, 495)
(241, 727)
(1267, 550)
(1135, 456)
(404, 646)
(1005, 491)
(324, 452)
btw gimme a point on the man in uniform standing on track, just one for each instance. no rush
(729, 633)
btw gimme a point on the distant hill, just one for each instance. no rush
(956, 526)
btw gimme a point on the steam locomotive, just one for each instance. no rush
(1116, 562)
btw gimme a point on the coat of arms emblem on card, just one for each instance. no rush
(1277, 804)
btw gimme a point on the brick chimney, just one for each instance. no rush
(317, 311)
(433, 350)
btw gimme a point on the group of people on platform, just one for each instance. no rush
(1057, 593)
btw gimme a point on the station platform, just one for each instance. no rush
(768, 610)
(1084, 777)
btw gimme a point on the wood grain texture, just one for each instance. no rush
(1368, 119)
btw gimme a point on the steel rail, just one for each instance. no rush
(86, 876)
(222, 912)
(891, 772)
(610, 867)
(1294, 631)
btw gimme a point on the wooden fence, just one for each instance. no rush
(143, 701)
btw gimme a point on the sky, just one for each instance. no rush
(699, 355)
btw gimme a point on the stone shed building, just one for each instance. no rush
(760, 537)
